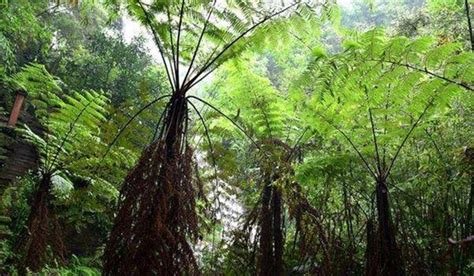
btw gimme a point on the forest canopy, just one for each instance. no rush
(234, 137)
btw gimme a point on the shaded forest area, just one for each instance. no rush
(234, 137)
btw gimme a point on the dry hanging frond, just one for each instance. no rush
(309, 229)
(156, 217)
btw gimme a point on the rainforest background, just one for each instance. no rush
(237, 137)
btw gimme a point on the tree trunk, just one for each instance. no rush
(350, 234)
(43, 230)
(371, 253)
(265, 258)
(277, 232)
(157, 214)
(469, 226)
(390, 255)
(270, 258)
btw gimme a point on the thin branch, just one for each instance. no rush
(211, 55)
(173, 53)
(181, 15)
(203, 31)
(206, 131)
(300, 40)
(158, 43)
(352, 144)
(471, 35)
(438, 150)
(162, 115)
(387, 172)
(50, 9)
(130, 121)
(424, 70)
(235, 40)
(374, 137)
(228, 118)
(191, 85)
(296, 144)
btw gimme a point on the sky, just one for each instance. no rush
(345, 3)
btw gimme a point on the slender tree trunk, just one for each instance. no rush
(270, 257)
(469, 225)
(371, 252)
(390, 255)
(277, 232)
(350, 232)
(265, 258)
(467, 252)
(43, 230)
(469, 24)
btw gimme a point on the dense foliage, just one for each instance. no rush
(238, 137)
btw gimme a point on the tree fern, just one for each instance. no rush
(269, 117)
(378, 94)
(197, 36)
(375, 78)
(69, 146)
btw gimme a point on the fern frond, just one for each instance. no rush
(395, 84)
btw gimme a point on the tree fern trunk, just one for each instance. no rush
(371, 253)
(469, 225)
(270, 257)
(157, 210)
(390, 256)
(277, 232)
(265, 262)
(43, 230)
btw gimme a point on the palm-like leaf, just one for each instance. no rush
(379, 90)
